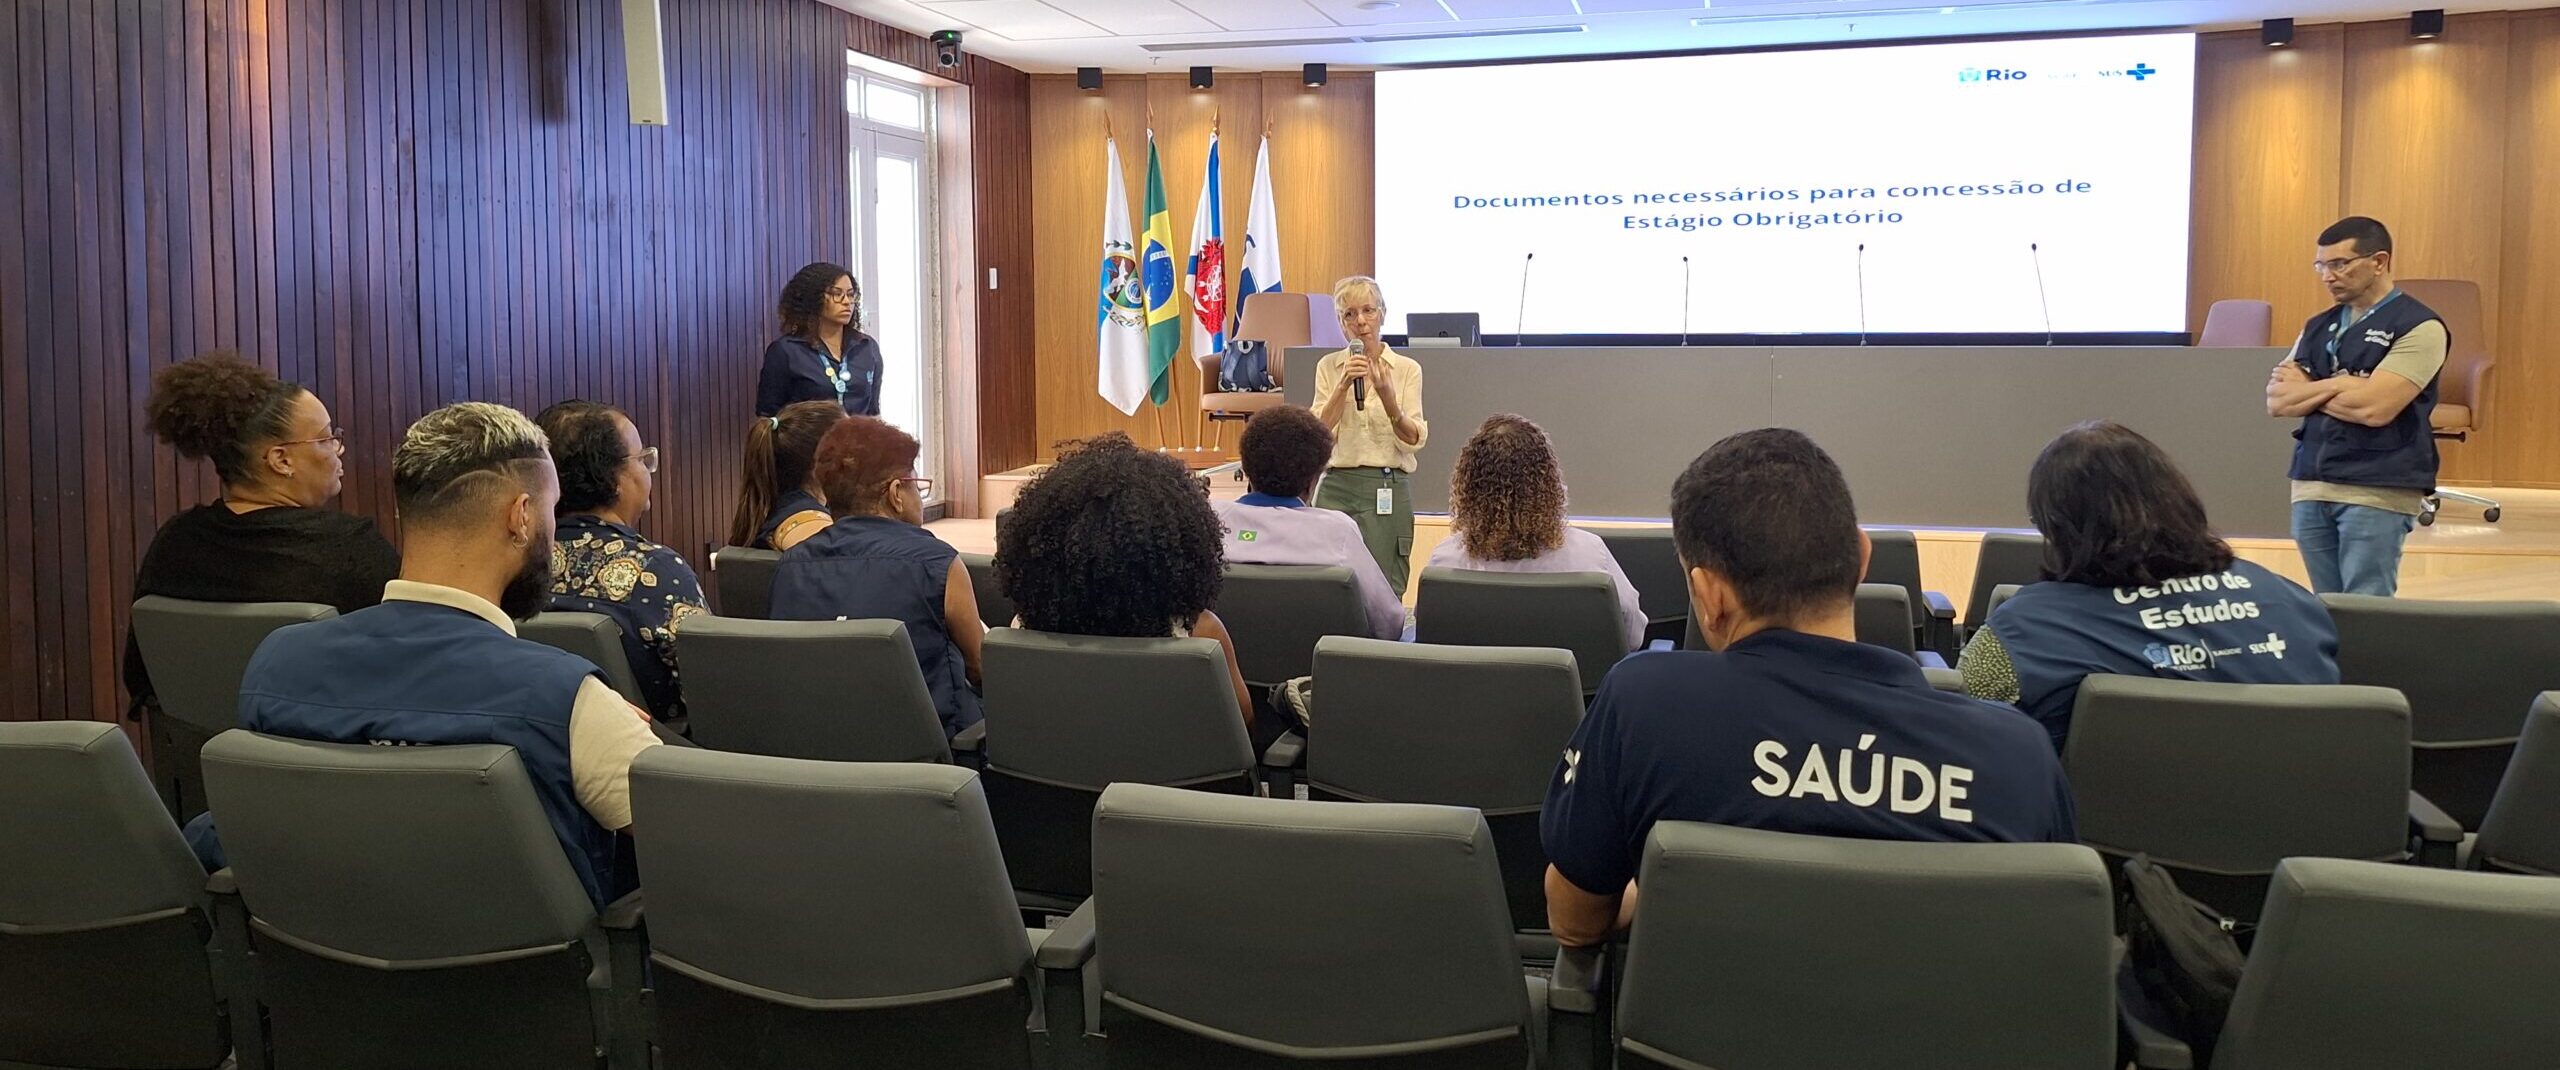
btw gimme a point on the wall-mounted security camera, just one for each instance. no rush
(946, 47)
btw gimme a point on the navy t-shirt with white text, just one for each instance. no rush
(1799, 733)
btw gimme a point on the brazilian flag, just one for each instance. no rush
(1164, 321)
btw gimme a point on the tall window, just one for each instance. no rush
(893, 224)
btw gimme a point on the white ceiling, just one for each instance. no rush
(1170, 35)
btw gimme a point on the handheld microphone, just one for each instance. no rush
(1520, 326)
(1684, 300)
(1360, 386)
(1862, 293)
(2040, 298)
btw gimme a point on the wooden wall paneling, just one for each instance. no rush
(20, 145)
(2266, 170)
(1323, 164)
(1000, 149)
(2424, 151)
(2523, 433)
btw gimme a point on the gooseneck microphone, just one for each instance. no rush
(1684, 300)
(1360, 386)
(1520, 325)
(1862, 293)
(2047, 306)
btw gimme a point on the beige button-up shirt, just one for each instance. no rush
(1366, 438)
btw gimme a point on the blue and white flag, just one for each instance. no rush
(1120, 315)
(1261, 236)
(1207, 271)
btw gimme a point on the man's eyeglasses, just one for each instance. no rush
(337, 436)
(648, 459)
(2338, 267)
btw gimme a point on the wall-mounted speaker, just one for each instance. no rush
(644, 61)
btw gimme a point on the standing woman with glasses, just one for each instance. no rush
(822, 354)
(268, 538)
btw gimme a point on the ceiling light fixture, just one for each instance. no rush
(2427, 25)
(1203, 78)
(1088, 77)
(1313, 75)
(2275, 33)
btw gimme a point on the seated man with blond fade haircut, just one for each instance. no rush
(439, 662)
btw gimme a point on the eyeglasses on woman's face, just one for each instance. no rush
(842, 293)
(336, 439)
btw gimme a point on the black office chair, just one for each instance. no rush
(742, 581)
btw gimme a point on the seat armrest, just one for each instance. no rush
(1070, 945)
(970, 740)
(2141, 1038)
(1580, 974)
(1930, 659)
(1287, 752)
(221, 882)
(2438, 835)
(1662, 644)
(622, 914)
(1940, 607)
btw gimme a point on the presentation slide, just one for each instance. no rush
(1958, 167)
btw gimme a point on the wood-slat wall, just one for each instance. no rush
(403, 204)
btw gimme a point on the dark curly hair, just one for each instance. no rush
(806, 295)
(219, 405)
(587, 449)
(858, 458)
(1506, 496)
(1284, 448)
(2116, 512)
(1111, 540)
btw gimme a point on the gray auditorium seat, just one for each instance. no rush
(592, 636)
(806, 913)
(1882, 616)
(1573, 611)
(2000, 595)
(413, 903)
(1251, 933)
(2374, 967)
(2219, 782)
(2005, 557)
(105, 924)
(993, 607)
(1478, 726)
(1651, 561)
(1068, 715)
(1276, 613)
(832, 690)
(742, 580)
(195, 653)
(2522, 832)
(1894, 557)
(1785, 952)
(2470, 669)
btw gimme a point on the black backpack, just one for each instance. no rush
(2186, 956)
(1245, 368)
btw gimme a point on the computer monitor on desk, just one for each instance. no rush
(1430, 329)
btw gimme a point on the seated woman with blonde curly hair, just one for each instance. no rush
(1507, 513)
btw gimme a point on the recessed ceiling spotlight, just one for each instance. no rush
(1379, 5)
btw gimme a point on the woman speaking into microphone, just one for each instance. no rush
(1372, 399)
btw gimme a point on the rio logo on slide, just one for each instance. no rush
(1991, 74)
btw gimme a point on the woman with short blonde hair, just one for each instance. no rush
(1371, 398)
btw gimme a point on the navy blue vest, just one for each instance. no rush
(790, 504)
(2244, 626)
(2401, 453)
(877, 568)
(417, 673)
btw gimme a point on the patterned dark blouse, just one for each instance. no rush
(648, 589)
